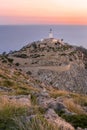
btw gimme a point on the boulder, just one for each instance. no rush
(53, 118)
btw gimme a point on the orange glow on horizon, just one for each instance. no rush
(43, 12)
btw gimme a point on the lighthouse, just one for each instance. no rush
(50, 33)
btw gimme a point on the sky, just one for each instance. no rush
(43, 12)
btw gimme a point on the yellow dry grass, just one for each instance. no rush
(73, 107)
(80, 99)
(57, 93)
(5, 102)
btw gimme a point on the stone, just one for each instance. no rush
(3, 88)
(57, 105)
(53, 118)
(21, 100)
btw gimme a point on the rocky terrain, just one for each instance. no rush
(57, 64)
(43, 86)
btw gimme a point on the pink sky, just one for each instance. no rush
(43, 12)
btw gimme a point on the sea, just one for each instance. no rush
(14, 37)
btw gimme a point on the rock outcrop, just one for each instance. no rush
(45, 80)
(52, 117)
(61, 66)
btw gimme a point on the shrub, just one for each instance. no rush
(4, 61)
(33, 99)
(3, 76)
(17, 64)
(8, 83)
(70, 59)
(72, 53)
(76, 120)
(21, 91)
(10, 60)
(63, 54)
(7, 113)
(29, 72)
(79, 99)
(35, 55)
(21, 55)
(34, 45)
(36, 123)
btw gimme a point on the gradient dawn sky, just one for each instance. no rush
(43, 12)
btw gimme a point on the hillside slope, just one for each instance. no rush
(43, 86)
(61, 66)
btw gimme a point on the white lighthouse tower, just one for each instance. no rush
(50, 33)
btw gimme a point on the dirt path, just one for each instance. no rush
(52, 68)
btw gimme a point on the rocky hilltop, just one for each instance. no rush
(43, 86)
(55, 63)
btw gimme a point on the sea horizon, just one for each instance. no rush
(14, 37)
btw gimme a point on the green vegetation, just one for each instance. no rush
(35, 55)
(73, 107)
(16, 117)
(65, 47)
(21, 55)
(36, 123)
(72, 53)
(8, 83)
(29, 72)
(79, 99)
(34, 45)
(2, 76)
(33, 99)
(6, 59)
(10, 60)
(22, 91)
(17, 64)
(25, 99)
(7, 114)
(76, 120)
(63, 54)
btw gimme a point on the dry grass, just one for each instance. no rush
(18, 82)
(80, 99)
(74, 102)
(57, 93)
(73, 107)
(8, 111)
(36, 123)
(17, 103)
(13, 115)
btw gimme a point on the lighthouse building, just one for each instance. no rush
(50, 33)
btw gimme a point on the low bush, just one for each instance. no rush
(4, 61)
(79, 99)
(7, 114)
(17, 64)
(29, 72)
(21, 91)
(73, 107)
(8, 83)
(77, 120)
(35, 55)
(10, 60)
(36, 123)
(21, 55)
